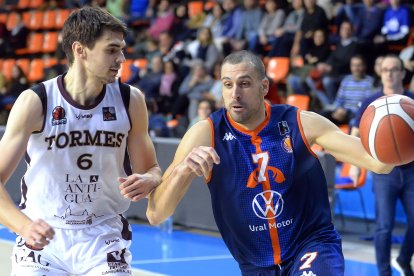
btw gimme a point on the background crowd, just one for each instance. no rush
(175, 49)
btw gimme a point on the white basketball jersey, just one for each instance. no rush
(74, 161)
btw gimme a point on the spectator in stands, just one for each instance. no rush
(193, 88)
(213, 21)
(170, 82)
(215, 90)
(395, 28)
(354, 88)
(18, 36)
(4, 34)
(318, 52)
(181, 30)
(368, 21)
(204, 109)
(347, 11)
(377, 73)
(284, 36)
(137, 11)
(14, 86)
(337, 65)
(407, 56)
(164, 20)
(314, 18)
(231, 23)
(150, 79)
(203, 48)
(172, 51)
(250, 22)
(271, 21)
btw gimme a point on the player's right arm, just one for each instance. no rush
(194, 157)
(25, 117)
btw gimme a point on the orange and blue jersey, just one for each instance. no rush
(269, 192)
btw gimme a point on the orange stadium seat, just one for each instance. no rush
(49, 20)
(3, 17)
(125, 71)
(34, 44)
(7, 67)
(61, 16)
(141, 63)
(49, 62)
(24, 64)
(36, 72)
(195, 8)
(23, 4)
(11, 20)
(300, 101)
(278, 68)
(35, 4)
(50, 42)
(35, 19)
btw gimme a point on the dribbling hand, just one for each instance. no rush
(201, 160)
(38, 233)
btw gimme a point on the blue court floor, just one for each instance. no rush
(186, 253)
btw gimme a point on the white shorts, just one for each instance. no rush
(98, 250)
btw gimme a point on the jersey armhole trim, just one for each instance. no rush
(302, 133)
(212, 145)
(40, 91)
(126, 98)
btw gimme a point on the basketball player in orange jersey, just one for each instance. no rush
(268, 189)
(399, 184)
(88, 153)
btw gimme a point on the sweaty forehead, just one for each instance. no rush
(237, 71)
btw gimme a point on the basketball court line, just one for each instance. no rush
(188, 259)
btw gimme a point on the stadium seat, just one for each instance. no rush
(277, 68)
(49, 20)
(61, 16)
(7, 67)
(11, 20)
(34, 44)
(33, 19)
(3, 17)
(141, 63)
(36, 4)
(344, 183)
(24, 64)
(23, 4)
(50, 42)
(195, 8)
(49, 62)
(36, 72)
(298, 100)
(125, 71)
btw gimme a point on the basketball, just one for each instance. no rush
(387, 129)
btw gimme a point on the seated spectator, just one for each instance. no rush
(231, 23)
(250, 22)
(164, 20)
(318, 52)
(407, 56)
(14, 87)
(213, 21)
(395, 28)
(347, 11)
(4, 35)
(369, 21)
(314, 18)
(271, 21)
(150, 79)
(193, 88)
(215, 90)
(354, 88)
(181, 30)
(204, 109)
(336, 66)
(18, 36)
(284, 36)
(170, 82)
(203, 48)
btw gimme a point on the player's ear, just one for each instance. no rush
(78, 50)
(265, 86)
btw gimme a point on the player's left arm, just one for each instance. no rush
(146, 173)
(346, 148)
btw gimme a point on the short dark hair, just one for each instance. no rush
(394, 56)
(247, 57)
(86, 25)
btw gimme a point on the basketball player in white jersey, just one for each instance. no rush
(85, 139)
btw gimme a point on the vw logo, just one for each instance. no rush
(268, 201)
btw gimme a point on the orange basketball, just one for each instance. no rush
(387, 129)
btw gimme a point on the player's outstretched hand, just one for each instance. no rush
(201, 160)
(38, 233)
(137, 186)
